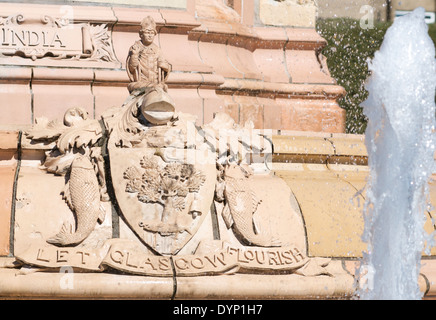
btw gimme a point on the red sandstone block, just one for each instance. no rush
(304, 67)
(250, 110)
(242, 60)
(7, 175)
(188, 101)
(289, 116)
(318, 115)
(212, 104)
(8, 140)
(177, 18)
(272, 64)
(107, 97)
(215, 55)
(52, 100)
(231, 108)
(15, 103)
(56, 75)
(181, 53)
(272, 114)
(128, 17)
(8, 148)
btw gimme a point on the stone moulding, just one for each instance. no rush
(266, 73)
(126, 256)
(8, 168)
(255, 74)
(152, 217)
(196, 208)
(14, 283)
(258, 38)
(277, 90)
(240, 286)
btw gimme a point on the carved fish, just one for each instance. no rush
(242, 203)
(83, 196)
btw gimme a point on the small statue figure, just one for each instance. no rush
(146, 65)
(148, 71)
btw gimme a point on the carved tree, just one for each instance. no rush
(168, 186)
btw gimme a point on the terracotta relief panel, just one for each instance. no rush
(193, 196)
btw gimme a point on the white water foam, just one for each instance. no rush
(401, 142)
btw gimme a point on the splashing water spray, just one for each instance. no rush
(400, 139)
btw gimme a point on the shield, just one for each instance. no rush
(163, 202)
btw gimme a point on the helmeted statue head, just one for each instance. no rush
(148, 30)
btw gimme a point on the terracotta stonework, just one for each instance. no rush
(211, 47)
(187, 153)
(332, 228)
(327, 167)
(8, 168)
(147, 191)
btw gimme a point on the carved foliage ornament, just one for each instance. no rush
(54, 37)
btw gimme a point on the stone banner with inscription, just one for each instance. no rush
(37, 41)
(47, 37)
(126, 256)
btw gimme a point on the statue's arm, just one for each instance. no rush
(132, 63)
(164, 66)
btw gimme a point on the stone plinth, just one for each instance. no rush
(224, 58)
(217, 200)
(326, 173)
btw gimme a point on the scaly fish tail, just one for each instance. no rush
(84, 199)
(65, 237)
(242, 204)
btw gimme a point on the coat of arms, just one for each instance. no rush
(163, 202)
(164, 175)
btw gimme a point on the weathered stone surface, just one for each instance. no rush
(198, 205)
(8, 168)
(295, 13)
(191, 37)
